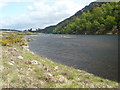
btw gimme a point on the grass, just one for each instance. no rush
(47, 74)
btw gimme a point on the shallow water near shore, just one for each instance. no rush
(96, 54)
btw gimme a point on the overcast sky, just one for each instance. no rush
(24, 14)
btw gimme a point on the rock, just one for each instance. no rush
(46, 69)
(27, 62)
(61, 79)
(11, 62)
(35, 62)
(25, 47)
(49, 74)
(49, 77)
(10, 49)
(14, 49)
(30, 69)
(56, 68)
(32, 52)
(20, 57)
(1, 68)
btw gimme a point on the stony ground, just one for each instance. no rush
(23, 69)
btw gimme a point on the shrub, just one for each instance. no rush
(4, 42)
(11, 39)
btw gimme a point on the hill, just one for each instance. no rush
(48, 29)
(65, 22)
(96, 18)
(9, 30)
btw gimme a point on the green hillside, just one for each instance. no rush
(97, 18)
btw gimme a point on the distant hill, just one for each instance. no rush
(48, 29)
(96, 18)
(8, 30)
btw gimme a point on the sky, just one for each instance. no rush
(25, 14)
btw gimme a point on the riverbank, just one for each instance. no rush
(21, 32)
(21, 68)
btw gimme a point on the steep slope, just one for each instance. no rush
(97, 18)
(65, 22)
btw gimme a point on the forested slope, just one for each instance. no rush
(97, 18)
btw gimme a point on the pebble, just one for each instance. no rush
(49, 75)
(11, 63)
(25, 47)
(27, 62)
(56, 68)
(15, 49)
(35, 62)
(61, 78)
(32, 52)
(1, 68)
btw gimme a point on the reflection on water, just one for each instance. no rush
(97, 54)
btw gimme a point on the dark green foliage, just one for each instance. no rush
(102, 18)
(47, 29)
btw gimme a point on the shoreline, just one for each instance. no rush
(25, 69)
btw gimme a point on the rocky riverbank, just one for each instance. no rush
(21, 68)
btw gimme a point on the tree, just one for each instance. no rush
(30, 29)
(88, 25)
(110, 22)
(101, 29)
(100, 19)
(97, 12)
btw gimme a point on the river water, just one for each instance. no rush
(96, 54)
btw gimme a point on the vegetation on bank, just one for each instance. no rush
(9, 38)
(21, 68)
(102, 18)
(28, 33)
(21, 32)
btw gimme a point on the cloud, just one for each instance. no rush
(43, 13)
(2, 5)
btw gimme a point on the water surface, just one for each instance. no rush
(96, 54)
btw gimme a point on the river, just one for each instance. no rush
(96, 54)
